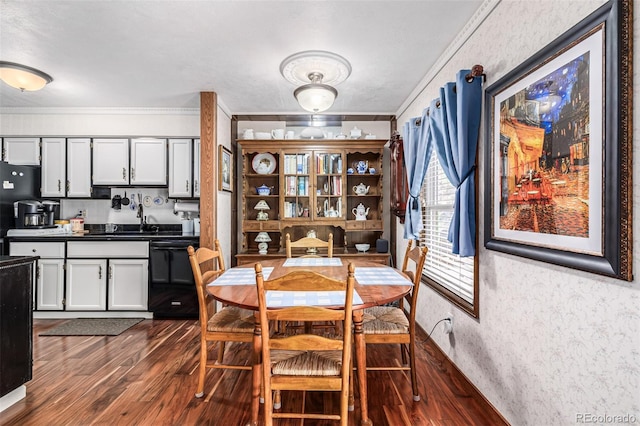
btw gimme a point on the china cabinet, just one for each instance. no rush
(328, 186)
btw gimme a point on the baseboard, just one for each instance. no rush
(447, 364)
(90, 314)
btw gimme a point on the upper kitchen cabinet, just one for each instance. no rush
(53, 176)
(180, 167)
(79, 167)
(148, 161)
(196, 168)
(21, 151)
(110, 161)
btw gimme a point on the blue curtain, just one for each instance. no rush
(417, 152)
(455, 123)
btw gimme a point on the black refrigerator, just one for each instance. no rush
(18, 183)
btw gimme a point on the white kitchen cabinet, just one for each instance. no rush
(180, 167)
(86, 285)
(24, 151)
(128, 284)
(110, 161)
(50, 285)
(196, 168)
(49, 282)
(148, 161)
(122, 267)
(79, 167)
(53, 173)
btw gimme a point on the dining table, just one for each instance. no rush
(375, 284)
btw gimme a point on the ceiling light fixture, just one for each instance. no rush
(23, 77)
(317, 71)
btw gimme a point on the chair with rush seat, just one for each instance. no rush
(309, 243)
(302, 362)
(388, 324)
(231, 324)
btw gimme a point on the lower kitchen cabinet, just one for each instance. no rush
(50, 285)
(128, 284)
(107, 275)
(86, 285)
(49, 280)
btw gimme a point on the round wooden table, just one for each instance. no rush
(245, 296)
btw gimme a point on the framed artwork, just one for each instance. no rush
(225, 169)
(559, 138)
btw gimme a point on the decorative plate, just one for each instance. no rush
(264, 163)
(147, 201)
(158, 201)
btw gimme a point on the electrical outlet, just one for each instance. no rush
(448, 324)
(84, 213)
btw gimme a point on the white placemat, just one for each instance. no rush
(241, 276)
(313, 261)
(277, 299)
(380, 276)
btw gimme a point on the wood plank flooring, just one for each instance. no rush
(147, 376)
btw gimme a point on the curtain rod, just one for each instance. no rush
(476, 71)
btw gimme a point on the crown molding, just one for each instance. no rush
(465, 34)
(99, 111)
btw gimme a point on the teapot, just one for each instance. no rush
(360, 212)
(362, 167)
(361, 189)
(264, 189)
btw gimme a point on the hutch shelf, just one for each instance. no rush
(325, 186)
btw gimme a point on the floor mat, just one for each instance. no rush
(92, 327)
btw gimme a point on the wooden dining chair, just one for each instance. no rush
(305, 362)
(230, 324)
(309, 242)
(389, 324)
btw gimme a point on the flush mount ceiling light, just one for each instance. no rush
(23, 77)
(317, 71)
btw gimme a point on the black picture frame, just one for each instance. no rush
(588, 138)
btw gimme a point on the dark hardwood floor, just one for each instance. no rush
(147, 376)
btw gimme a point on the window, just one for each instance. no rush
(454, 277)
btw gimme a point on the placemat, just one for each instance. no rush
(380, 276)
(313, 261)
(308, 298)
(241, 276)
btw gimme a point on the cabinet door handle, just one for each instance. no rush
(38, 272)
(124, 173)
(59, 185)
(68, 185)
(187, 185)
(100, 272)
(195, 186)
(133, 174)
(110, 272)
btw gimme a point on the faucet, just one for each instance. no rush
(141, 216)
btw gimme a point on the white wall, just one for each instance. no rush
(223, 214)
(550, 342)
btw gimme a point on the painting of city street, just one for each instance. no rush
(559, 138)
(544, 141)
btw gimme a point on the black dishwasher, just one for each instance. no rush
(172, 290)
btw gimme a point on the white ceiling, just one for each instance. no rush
(162, 53)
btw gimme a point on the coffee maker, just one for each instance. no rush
(29, 214)
(51, 212)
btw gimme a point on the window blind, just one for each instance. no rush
(453, 272)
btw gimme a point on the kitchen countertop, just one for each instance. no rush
(124, 233)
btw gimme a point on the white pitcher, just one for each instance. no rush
(277, 133)
(248, 134)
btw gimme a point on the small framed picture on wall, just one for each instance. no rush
(225, 169)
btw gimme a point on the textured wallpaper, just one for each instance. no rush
(552, 346)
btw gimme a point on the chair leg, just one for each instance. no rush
(351, 398)
(412, 360)
(403, 354)
(203, 368)
(221, 346)
(277, 400)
